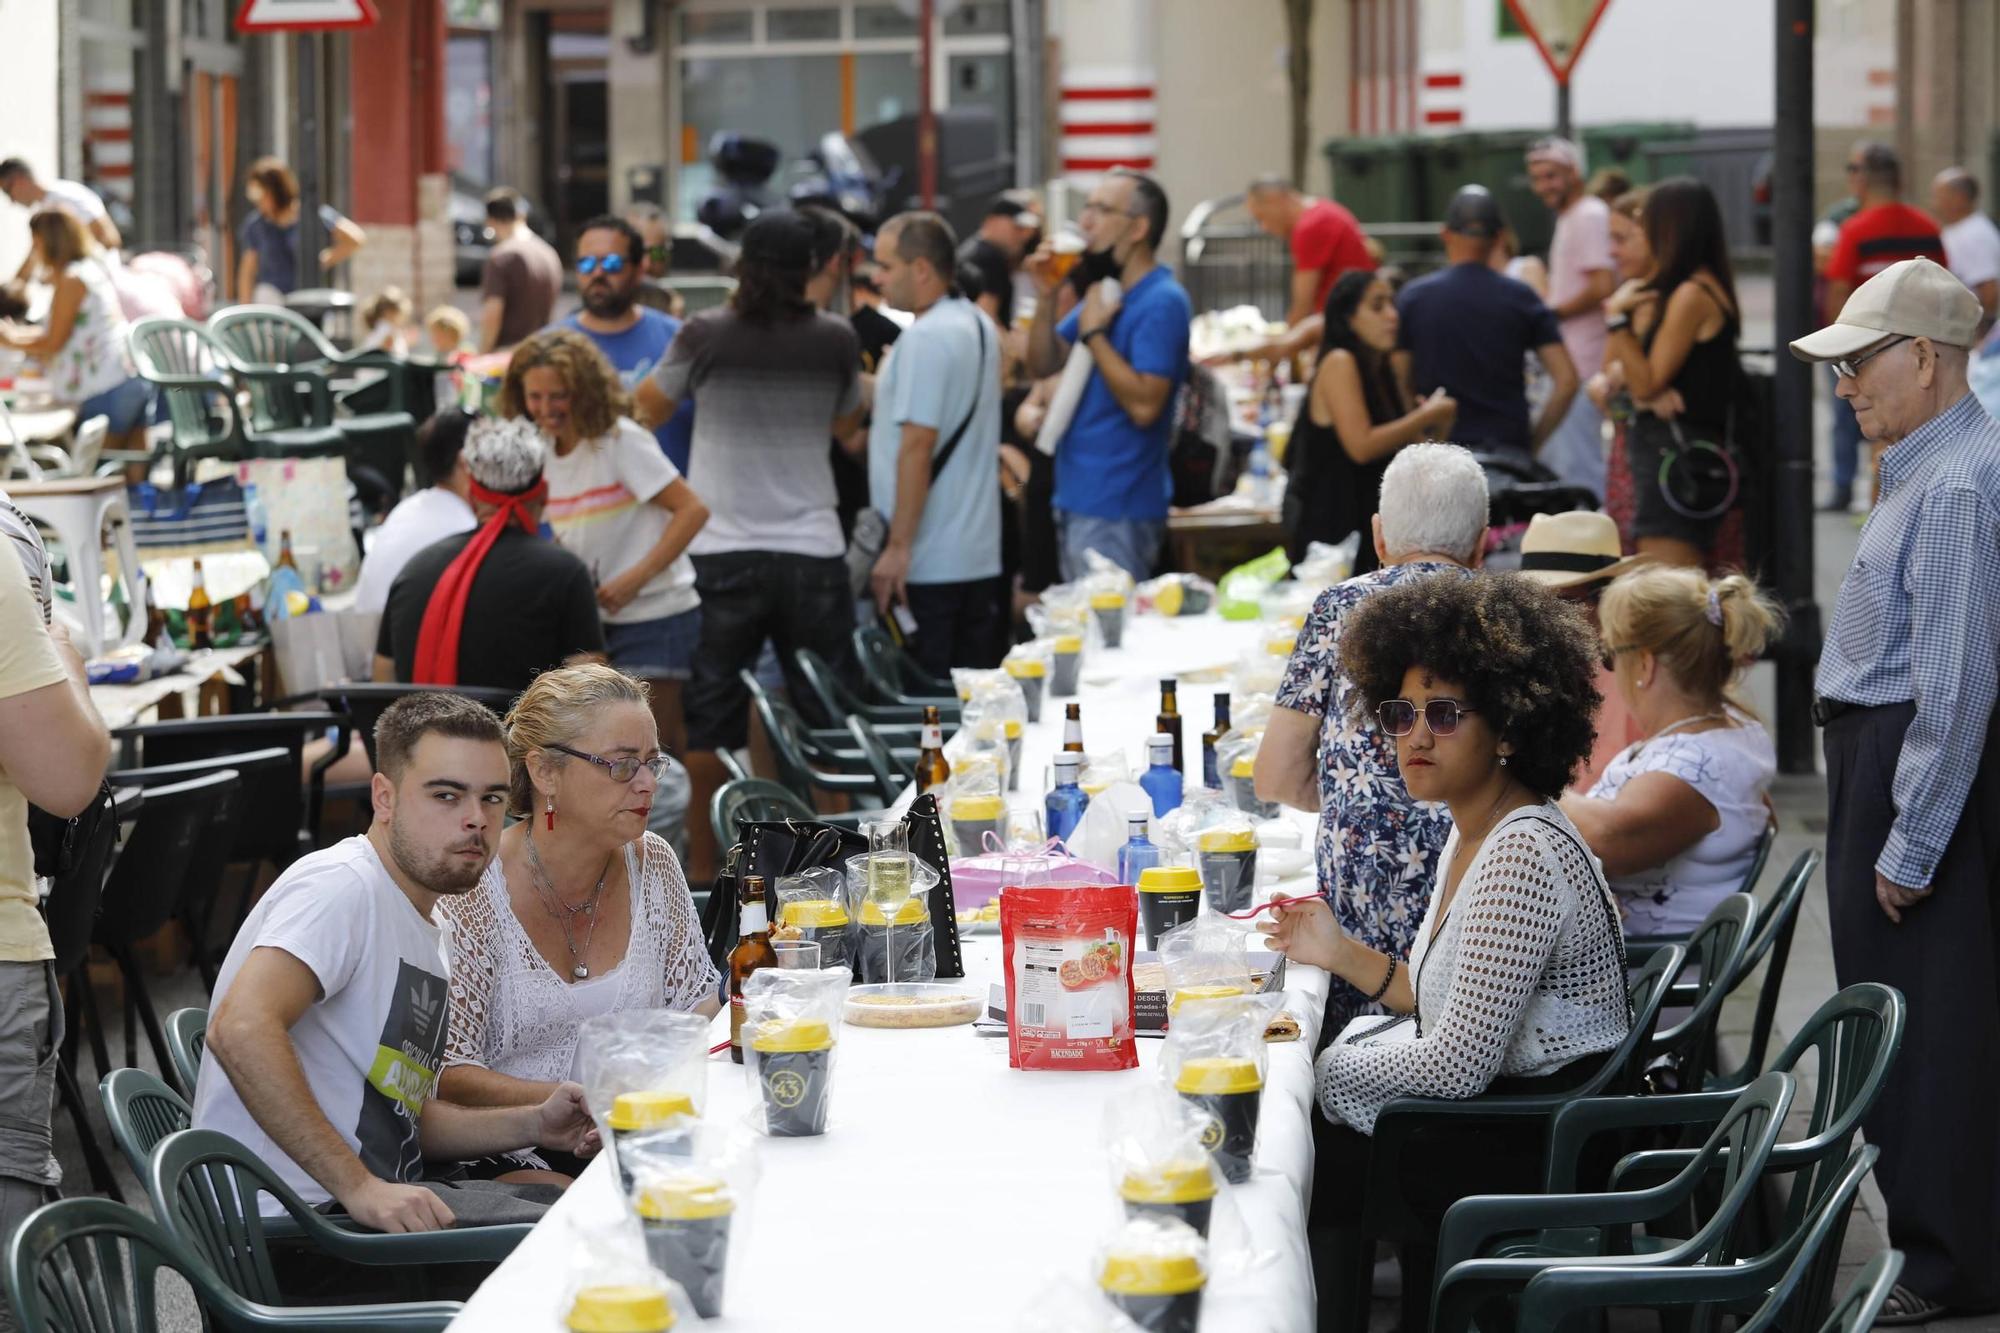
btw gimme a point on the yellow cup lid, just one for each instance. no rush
(977, 807)
(1169, 879)
(686, 1200)
(1013, 728)
(1175, 1182)
(647, 1110)
(1026, 666)
(1107, 601)
(620, 1309)
(1281, 647)
(911, 913)
(1069, 643)
(1245, 766)
(1229, 840)
(1210, 992)
(1151, 1274)
(786, 1036)
(1210, 1074)
(817, 913)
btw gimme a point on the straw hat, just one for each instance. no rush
(1566, 550)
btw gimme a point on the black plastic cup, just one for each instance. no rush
(794, 1068)
(1184, 1191)
(1066, 665)
(1228, 862)
(1013, 758)
(1231, 1091)
(1161, 1294)
(822, 921)
(913, 940)
(636, 1115)
(973, 817)
(686, 1228)
(1031, 676)
(1168, 896)
(1109, 608)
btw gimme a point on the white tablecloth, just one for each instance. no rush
(992, 1180)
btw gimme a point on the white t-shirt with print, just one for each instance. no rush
(600, 504)
(372, 1046)
(1729, 767)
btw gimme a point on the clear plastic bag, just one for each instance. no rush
(693, 1205)
(902, 950)
(791, 1031)
(1206, 958)
(1154, 1270)
(813, 905)
(1236, 765)
(644, 1072)
(1326, 565)
(1175, 595)
(1029, 665)
(1226, 854)
(1215, 1059)
(1068, 1305)
(1159, 1165)
(608, 1281)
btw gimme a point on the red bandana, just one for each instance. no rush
(444, 617)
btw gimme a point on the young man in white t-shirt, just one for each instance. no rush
(328, 1027)
(18, 183)
(1971, 241)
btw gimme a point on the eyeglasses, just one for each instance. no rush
(625, 769)
(1848, 369)
(1398, 717)
(611, 264)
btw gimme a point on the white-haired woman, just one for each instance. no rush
(1377, 848)
(497, 605)
(582, 912)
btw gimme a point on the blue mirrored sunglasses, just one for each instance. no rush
(611, 264)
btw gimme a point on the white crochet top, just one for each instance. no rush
(1523, 977)
(511, 1012)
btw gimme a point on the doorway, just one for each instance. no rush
(577, 148)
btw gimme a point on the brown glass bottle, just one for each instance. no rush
(285, 560)
(200, 613)
(1073, 728)
(1209, 777)
(1169, 720)
(753, 950)
(932, 770)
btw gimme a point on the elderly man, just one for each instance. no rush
(1580, 280)
(1971, 241)
(1378, 849)
(1906, 684)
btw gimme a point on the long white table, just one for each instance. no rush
(993, 1181)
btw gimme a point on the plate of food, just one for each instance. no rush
(980, 920)
(913, 1004)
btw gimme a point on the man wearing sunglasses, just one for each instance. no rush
(1907, 684)
(610, 267)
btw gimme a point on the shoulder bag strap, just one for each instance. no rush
(1610, 912)
(943, 455)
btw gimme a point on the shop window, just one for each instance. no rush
(817, 24)
(713, 29)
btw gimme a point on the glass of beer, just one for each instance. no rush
(1068, 246)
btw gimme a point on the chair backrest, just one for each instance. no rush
(835, 702)
(365, 702)
(261, 339)
(1771, 946)
(150, 878)
(1625, 1067)
(142, 1111)
(91, 1266)
(1865, 1299)
(1715, 959)
(891, 674)
(277, 818)
(755, 800)
(74, 899)
(185, 360)
(204, 1187)
(86, 446)
(1732, 1162)
(731, 765)
(187, 1039)
(1806, 1258)
(891, 774)
(783, 732)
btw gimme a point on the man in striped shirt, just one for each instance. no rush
(1907, 682)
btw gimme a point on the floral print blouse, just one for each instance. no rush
(95, 359)
(1377, 849)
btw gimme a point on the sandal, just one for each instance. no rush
(1906, 1307)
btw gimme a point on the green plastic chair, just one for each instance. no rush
(894, 675)
(837, 702)
(1855, 1036)
(1773, 1282)
(892, 773)
(758, 800)
(732, 767)
(191, 371)
(1476, 1269)
(142, 1111)
(1639, 947)
(805, 764)
(1402, 1125)
(92, 1266)
(204, 1188)
(1713, 965)
(1770, 947)
(187, 1037)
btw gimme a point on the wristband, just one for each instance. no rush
(1383, 989)
(1098, 332)
(1617, 322)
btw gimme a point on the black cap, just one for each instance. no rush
(780, 238)
(1474, 212)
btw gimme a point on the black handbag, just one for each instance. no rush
(58, 843)
(774, 848)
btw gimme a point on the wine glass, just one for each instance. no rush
(891, 870)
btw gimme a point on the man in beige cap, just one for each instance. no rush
(1906, 684)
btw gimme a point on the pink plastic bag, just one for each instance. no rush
(977, 880)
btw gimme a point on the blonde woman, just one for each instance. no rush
(621, 506)
(1677, 817)
(582, 911)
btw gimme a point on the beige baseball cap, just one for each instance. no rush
(1915, 298)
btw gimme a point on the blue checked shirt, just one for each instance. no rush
(1918, 619)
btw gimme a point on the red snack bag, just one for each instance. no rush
(1068, 955)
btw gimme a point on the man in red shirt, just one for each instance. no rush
(1882, 231)
(1325, 241)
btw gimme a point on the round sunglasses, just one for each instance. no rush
(1398, 717)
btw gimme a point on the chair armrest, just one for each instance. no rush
(455, 1245)
(1403, 1118)
(1466, 1286)
(1471, 1225)
(1574, 1125)
(1640, 949)
(416, 1317)
(312, 377)
(1557, 1292)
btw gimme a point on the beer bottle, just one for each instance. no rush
(753, 950)
(932, 770)
(1073, 728)
(1169, 719)
(1209, 777)
(285, 560)
(200, 613)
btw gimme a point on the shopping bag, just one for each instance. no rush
(307, 497)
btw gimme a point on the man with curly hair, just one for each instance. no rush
(1377, 848)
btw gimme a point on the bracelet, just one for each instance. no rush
(1383, 989)
(1617, 322)
(1097, 332)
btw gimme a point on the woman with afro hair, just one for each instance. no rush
(1516, 979)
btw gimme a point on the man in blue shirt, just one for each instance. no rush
(1112, 478)
(610, 256)
(939, 390)
(1466, 329)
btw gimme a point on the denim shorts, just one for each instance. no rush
(128, 405)
(656, 649)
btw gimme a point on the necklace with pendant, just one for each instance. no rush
(565, 913)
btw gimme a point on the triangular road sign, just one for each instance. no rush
(1558, 28)
(304, 15)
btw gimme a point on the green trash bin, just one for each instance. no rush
(1376, 178)
(1496, 159)
(1624, 146)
